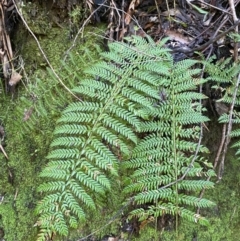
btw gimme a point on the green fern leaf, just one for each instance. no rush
(164, 155)
(134, 89)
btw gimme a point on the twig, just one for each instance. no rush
(119, 16)
(235, 19)
(158, 11)
(132, 18)
(229, 129)
(220, 147)
(229, 126)
(43, 53)
(16, 194)
(211, 41)
(212, 6)
(3, 151)
(81, 30)
(123, 20)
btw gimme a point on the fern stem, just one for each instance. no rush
(174, 151)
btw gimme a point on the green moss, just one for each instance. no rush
(9, 224)
(27, 141)
(27, 145)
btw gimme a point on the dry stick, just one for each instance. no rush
(110, 26)
(223, 131)
(123, 20)
(119, 17)
(168, 11)
(211, 41)
(158, 11)
(3, 151)
(44, 55)
(235, 19)
(133, 18)
(229, 129)
(220, 147)
(212, 6)
(229, 126)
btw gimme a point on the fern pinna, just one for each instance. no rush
(116, 97)
(167, 164)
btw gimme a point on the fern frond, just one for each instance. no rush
(70, 141)
(60, 224)
(169, 208)
(53, 186)
(152, 170)
(82, 107)
(54, 171)
(89, 181)
(75, 117)
(195, 201)
(114, 124)
(222, 71)
(70, 129)
(195, 185)
(155, 126)
(149, 182)
(89, 133)
(152, 196)
(164, 155)
(81, 194)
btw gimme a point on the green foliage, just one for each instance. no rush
(28, 147)
(227, 74)
(223, 71)
(27, 140)
(166, 162)
(90, 133)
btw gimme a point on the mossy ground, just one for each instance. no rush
(27, 145)
(27, 141)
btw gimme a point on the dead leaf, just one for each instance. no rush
(3, 151)
(27, 114)
(131, 9)
(15, 78)
(173, 35)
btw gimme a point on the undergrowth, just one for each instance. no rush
(28, 117)
(139, 115)
(129, 92)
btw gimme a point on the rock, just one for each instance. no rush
(221, 108)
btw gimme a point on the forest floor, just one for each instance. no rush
(190, 27)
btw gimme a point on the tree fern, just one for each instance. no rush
(115, 100)
(166, 163)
